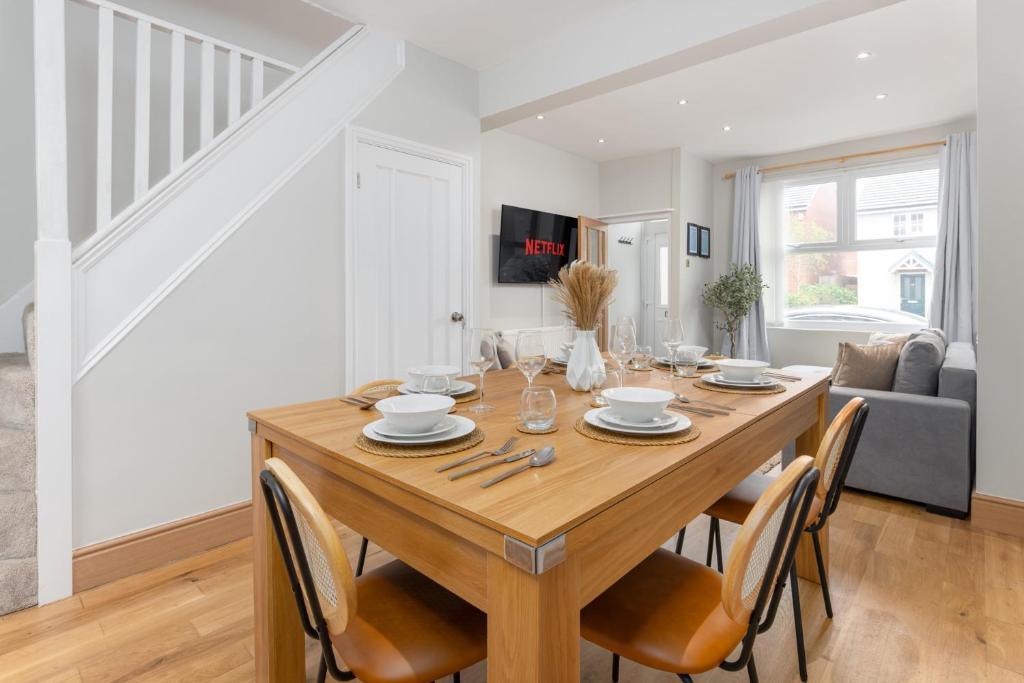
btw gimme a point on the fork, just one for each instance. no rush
(462, 461)
(678, 407)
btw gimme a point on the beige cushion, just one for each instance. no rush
(869, 366)
(900, 338)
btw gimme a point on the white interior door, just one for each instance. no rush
(408, 251)
(655, 285)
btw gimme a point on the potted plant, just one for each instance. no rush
(734, 294)
(585, 289)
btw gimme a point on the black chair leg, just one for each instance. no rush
(321, 674)
(798, 622)
(679, 541)
(615, 668)
(362, 556)
(822, 575)
(718, 544)
(751, 669)
(685, 678)
(457, 677)
(711, 540)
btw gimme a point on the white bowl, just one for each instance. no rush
(419, 374)
(739, 370)
(637, 404)
(415, 413)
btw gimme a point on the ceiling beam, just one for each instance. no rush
(640, 41)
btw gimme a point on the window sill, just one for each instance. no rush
(867, 328)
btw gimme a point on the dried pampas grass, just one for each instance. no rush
(585, 289)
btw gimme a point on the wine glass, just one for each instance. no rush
(483, 353)
(628, 320)
(622, 346)
(672, 338)
(530, 358)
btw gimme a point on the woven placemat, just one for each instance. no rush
(700, 371)
(471, 396)
(522, 428)
(390, 450)
(777, 389)
(591, 432)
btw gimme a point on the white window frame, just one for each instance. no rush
(846, 237)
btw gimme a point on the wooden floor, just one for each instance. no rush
(917, 598)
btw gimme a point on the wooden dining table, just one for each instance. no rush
(536, 548)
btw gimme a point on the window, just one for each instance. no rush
(854, 249)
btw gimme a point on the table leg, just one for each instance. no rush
(807, 444)
(533, 623)
(279, 639)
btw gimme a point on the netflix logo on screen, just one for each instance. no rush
(544, 248)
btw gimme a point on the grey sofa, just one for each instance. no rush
(919, 448)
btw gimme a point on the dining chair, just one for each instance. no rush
(391, 625)
(674, 614)
(380, 387)
(833, 460)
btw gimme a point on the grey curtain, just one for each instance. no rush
(955, 286)
(752, 338)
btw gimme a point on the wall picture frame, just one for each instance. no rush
(692, 239)
(705, 242)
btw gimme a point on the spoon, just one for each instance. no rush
(543, 457)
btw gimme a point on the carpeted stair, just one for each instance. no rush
(18, 473)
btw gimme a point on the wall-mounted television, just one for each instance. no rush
(534, 244)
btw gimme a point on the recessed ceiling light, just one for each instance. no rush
(683, 101)
(881, 96)
(727, 128)
(601, 140)
(540, 117)
(863, 55)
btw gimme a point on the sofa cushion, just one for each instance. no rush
(933, 331)
(900, 338)
(870, 366)
(920, 361)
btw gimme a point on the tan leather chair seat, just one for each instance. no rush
(409, 629)
(735, 505)
(666, 613)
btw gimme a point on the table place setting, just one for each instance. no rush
(738, 376)
(637, 416)
(417, 425)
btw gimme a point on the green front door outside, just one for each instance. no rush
(912, 293)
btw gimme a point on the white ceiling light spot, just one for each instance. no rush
(726, 128)
(540, 117)
(601, 140)
(863, 55)
(881, 96)
(683, 101)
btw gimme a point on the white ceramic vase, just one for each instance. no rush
(584, 361)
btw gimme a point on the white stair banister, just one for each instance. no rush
(234, 86)
(142, 72)
(177, 136)
(179, 126)
(104, 117)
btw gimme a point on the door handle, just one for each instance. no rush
(457, 317)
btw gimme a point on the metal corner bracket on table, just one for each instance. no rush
(535, 560)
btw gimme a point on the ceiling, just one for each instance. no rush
(477, 33)
(799, 92)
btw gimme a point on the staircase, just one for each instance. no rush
(98, 276)
(18, 473)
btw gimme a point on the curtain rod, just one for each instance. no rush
(843, 158)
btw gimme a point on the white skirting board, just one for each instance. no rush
(12, 337)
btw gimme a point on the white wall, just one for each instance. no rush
(522, 172)
(159, 424)
(17, 161)
(625, 258)
(676, 180)
(1001, 325)
(811, 347)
